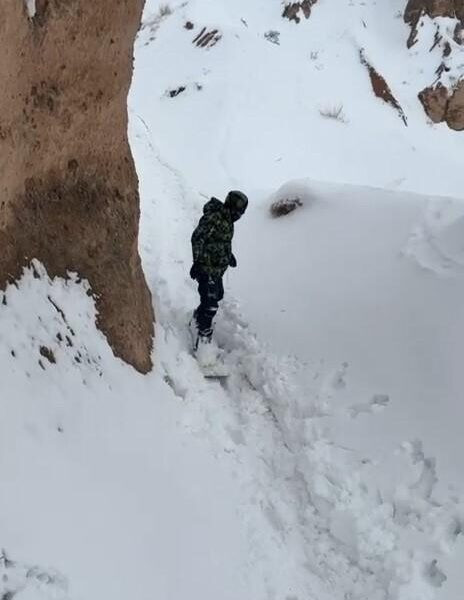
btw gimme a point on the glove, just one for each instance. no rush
(232, 261)
(194, 271)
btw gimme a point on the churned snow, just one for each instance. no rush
(328, 465)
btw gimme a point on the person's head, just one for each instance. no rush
(236, 202)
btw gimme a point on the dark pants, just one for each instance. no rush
(211, 292)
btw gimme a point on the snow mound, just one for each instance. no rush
(294, 194)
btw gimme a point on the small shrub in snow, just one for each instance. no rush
(314, 55)
(333, 112)
(273, 36)
(175, 92)
(153, 23)
(284, 206)
(48, 354)
(165, 10)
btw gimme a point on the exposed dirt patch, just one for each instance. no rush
(381, 88)
(285, 206)
(69, 186)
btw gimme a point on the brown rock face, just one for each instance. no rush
(68, 184)
(455, 111)
(442, 104)
(433, 8)
(459, 34)
(441, 101)
(381, 88)
(292, 10)
(435, 102)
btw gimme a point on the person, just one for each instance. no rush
(212, 255)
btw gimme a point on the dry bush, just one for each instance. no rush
(155, 21)
(164, 10)
(333, 112)
(273, 36)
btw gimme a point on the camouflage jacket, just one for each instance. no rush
(212, 239)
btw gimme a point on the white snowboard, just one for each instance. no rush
(208, 356)
(216, 371)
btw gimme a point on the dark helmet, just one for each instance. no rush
(237, 203)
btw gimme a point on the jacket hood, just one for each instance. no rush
(213, 205)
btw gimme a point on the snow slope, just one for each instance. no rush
(342, 286)
(328, 467)
(263, 100)
(368, 521)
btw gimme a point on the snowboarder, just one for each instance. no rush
(212, 255)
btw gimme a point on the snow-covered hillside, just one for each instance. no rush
(328, 467)
(263, 100)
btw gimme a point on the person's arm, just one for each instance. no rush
(198, 239)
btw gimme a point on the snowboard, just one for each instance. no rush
(217, 370)
(209, 361)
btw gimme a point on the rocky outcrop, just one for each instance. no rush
(435, 102)
(455, 110)
(432, 8)
(443, 100)
(69, 193)
(443, 105)
(458, 36)
(294, 11)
